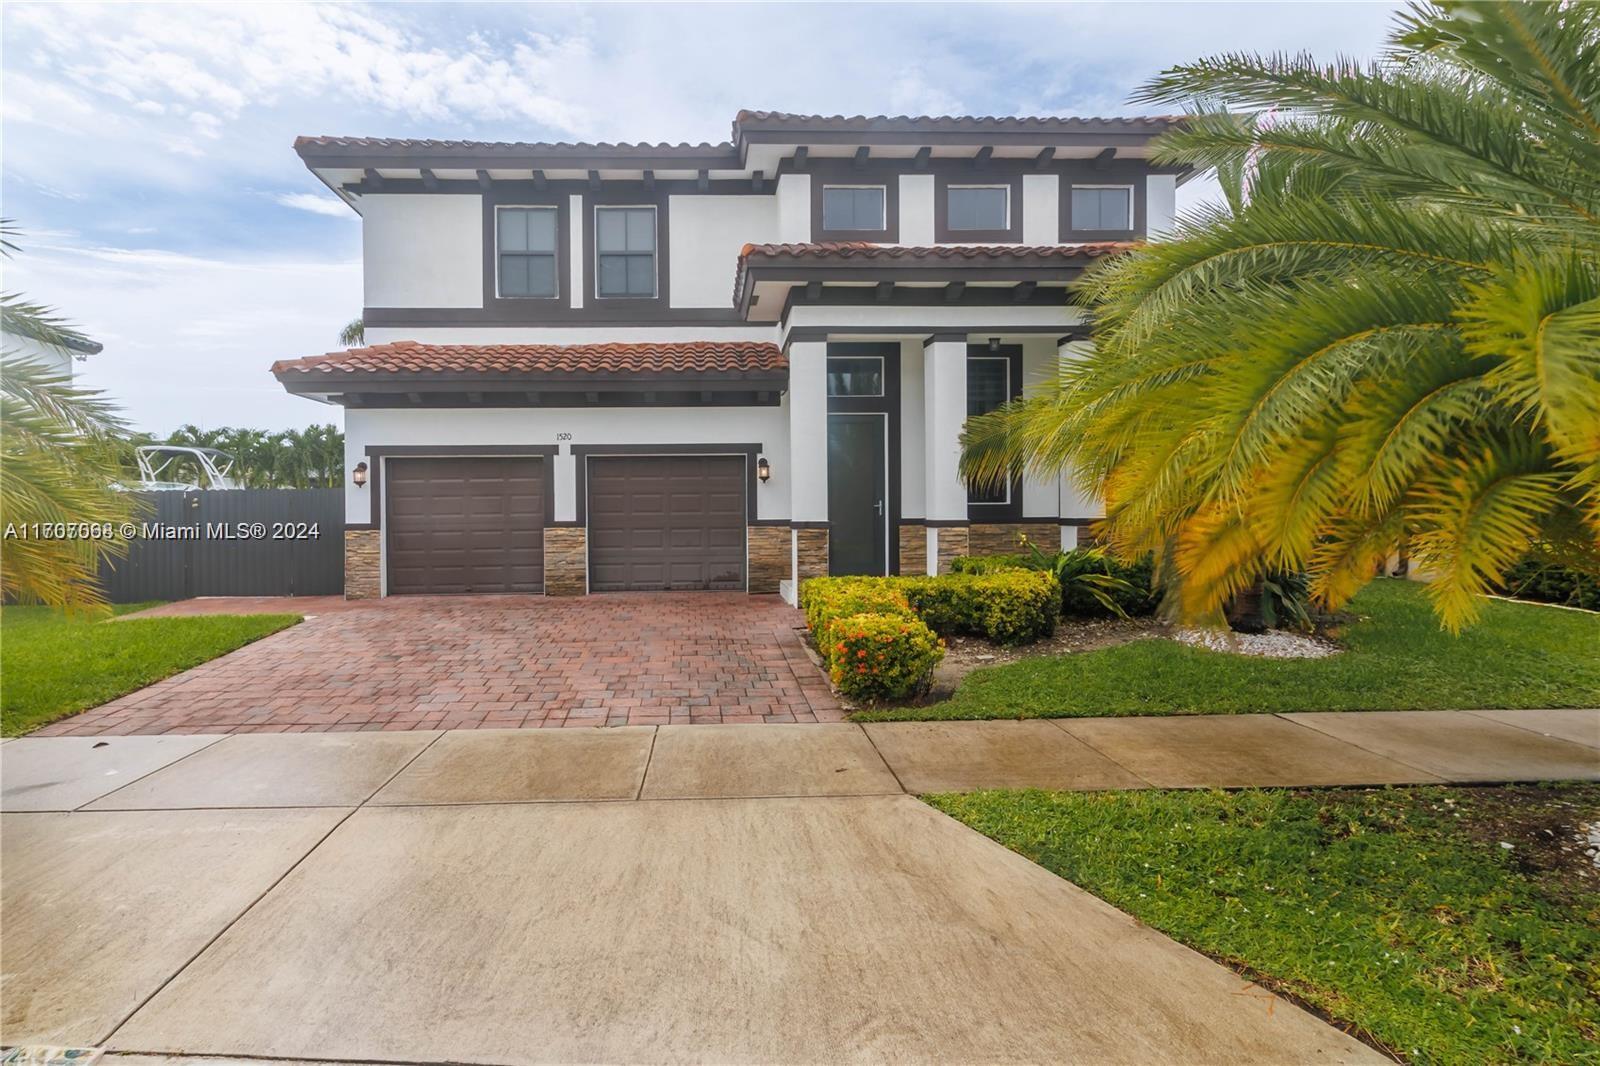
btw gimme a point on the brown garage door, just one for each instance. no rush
(465, 525)
(666, 522)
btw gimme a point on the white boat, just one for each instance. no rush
(156, 460)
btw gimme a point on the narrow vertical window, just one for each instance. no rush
(988, 387)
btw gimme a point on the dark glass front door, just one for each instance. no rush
(858, 498)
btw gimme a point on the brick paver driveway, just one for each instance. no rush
(458, 662)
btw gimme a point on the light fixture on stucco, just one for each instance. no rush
(359, 474)
(763, 470)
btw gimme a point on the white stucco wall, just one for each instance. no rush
(1161, 203)
(706, 235)
(1074, 503)
(794, 209)
(916, 209)
(576, 235)
(1041, 497)
(421, 250)
(453, 427)
(1041, 209)
(808, 430)
(944, 392)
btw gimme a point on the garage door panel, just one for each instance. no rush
(666, 522)
(465, 525)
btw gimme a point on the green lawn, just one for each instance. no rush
(1396, 658)
(52, 666)
(1396, 910)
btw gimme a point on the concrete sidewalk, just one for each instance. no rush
(649, 894)
(839, 759)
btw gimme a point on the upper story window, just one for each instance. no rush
(526, 246)
(979, 207)
(855, 375)
(625, 251)
(1102, 207)
(988, 387)
(853, 207)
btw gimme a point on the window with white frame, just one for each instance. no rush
(526, 247)
(853, 207)
(1102, 207)
(625, 251)
(988, 387)
(978, 207)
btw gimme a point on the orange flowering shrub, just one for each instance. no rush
(881, 656)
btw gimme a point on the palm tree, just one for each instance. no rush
(354, 334)
(58, 465)
(1387, 338)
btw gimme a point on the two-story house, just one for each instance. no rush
(599, 367)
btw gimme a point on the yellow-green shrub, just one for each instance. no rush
(1006, 606)
(881, 656)
(826, 598)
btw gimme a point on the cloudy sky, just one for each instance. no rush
(147, 147)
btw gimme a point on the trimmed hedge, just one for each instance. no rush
(881, 656)
(1007, 607)
(823, 598)
(1076, 601)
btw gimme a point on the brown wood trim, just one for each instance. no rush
(582, 452)
(1115, 172)
(520, 194)
(1008, 177)
(882, 173)
(808, 525)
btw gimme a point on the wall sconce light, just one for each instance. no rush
(994, 344)
(359, 474)
(763, 470)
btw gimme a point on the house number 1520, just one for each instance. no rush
(563, 436)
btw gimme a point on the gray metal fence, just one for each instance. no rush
(242, 542)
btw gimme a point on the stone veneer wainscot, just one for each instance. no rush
(362, 552)
(566, 562)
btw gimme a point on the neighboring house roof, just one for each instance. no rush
(83, 346)
(576, 360)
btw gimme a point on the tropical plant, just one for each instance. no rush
(354, 333)
(286, 459)
(61, 519)
(1387, 338)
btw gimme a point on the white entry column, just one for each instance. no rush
(944, 357)
(808, 459)
(1078, 510)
